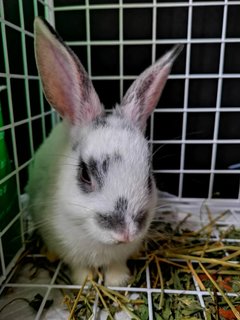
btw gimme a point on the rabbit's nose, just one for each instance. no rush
(122, 238)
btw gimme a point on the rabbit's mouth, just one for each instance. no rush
(124, 237)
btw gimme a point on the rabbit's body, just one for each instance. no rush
(92, 194)
(63, 212)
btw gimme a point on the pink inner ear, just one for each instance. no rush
(141, 104)
(153, 95)
(59, 76)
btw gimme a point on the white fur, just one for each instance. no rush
(64, 214)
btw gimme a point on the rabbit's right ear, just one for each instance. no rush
(65, 82)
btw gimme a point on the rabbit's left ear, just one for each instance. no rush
(143, 95)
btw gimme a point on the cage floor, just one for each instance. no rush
(181, 297)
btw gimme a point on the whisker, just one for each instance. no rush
(176, 138)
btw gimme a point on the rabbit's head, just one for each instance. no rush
(110, 189)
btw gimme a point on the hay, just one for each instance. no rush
(177, 259)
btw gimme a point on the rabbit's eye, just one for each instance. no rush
(84, 173)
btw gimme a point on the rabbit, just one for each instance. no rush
(92, 195)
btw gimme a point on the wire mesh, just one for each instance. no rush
(48, 283)
(193, 133)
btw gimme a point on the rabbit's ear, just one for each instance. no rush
(65, 82)
(143, 95)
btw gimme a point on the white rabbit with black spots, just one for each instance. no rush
(92, 193)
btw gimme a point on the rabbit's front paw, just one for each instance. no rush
(117, 275)
(79, 274)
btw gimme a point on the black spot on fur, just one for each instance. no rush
(95, 170)
(100, 121)
(83, 184)
(114, 220)
(105, 164)
(110, 221)
(99, 169)
(121, 205)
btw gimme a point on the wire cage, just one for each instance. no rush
(194, 131)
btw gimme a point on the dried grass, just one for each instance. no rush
(193, 254)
